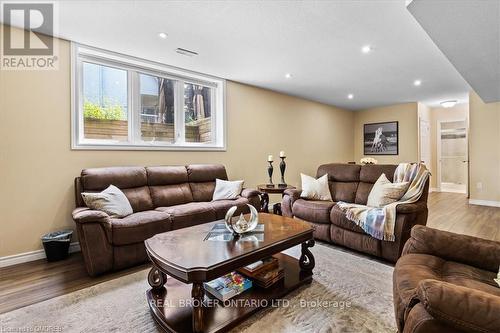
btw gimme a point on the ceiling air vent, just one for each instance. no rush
(186, 52)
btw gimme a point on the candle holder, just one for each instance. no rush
(282, 169)
(270, 173)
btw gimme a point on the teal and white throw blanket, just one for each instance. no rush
(379, 222)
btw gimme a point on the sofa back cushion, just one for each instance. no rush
(368, 175)
(133, 182)
(201, 179)
(343, 180)
(169, 185)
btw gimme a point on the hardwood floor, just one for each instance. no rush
(451, 212)
(36, 281)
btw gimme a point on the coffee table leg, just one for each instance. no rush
(306, 260)
(197, 293)
(156, 278)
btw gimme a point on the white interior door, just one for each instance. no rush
(425, 142)
(452, 154)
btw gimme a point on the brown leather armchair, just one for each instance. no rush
(444, 283)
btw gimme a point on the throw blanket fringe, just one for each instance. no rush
(380, 222)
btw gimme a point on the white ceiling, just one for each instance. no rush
(476, 53)
(257, 42)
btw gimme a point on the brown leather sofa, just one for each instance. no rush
(444, 283)
(163, 198)
(353, 183)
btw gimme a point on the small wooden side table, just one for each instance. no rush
(265, 190)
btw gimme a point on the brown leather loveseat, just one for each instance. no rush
(444, 283)
(163, 198)
(352, 183)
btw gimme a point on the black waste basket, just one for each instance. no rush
(56, 244)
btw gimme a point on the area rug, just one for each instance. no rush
(349, 293)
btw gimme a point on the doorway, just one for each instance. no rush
(453, 161)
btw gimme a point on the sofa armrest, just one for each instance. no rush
(410, 208)
(86, 215)
(289, 197)
(249, 192)
(468, 250)
(463, 308)
(293, 193)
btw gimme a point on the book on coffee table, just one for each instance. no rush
(258, 266)
(228, 286)
(268, 277)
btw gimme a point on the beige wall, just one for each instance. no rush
(407, 116)
(37, 166)
(484, 148)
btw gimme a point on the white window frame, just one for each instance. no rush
(134, 67)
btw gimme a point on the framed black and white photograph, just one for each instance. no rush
(381, 138)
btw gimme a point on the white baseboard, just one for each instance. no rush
(31, 256)
(434, 189)
(484, 203)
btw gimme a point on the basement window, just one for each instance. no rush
(125, 103)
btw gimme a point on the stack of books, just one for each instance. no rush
(228, 286)
(264, 273)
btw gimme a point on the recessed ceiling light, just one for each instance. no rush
(448, 104)
(350, 96)
(417, 82)
(162, 35)
(288, 75)
(366, 49)
(186, 52)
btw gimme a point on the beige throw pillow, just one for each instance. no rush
(112, 201)
(384, 192)
(227, 190)
(315, 189)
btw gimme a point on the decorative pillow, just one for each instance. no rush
(112, 201)
(227, 190)
(315, 189)
(384, 192)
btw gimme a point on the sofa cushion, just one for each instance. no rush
(227, 190)
(139, 198)
(368, 175)
(199, 173)
(362, 193)
(202, 192)
(98, 179)
(132, 181)
(166, 175)
(222, 206)
(189, 214)
(413, 268)
(371, 172)
(112, 201)
(338, 218)
(343, 191)
(385, 192)
(315, 189)
(313, 211)
(340, 172)
(170, 195)
(138, 227)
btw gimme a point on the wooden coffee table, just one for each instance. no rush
(181, 305)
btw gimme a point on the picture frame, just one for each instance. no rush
(381, 138)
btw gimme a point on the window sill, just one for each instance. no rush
(148, 147)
